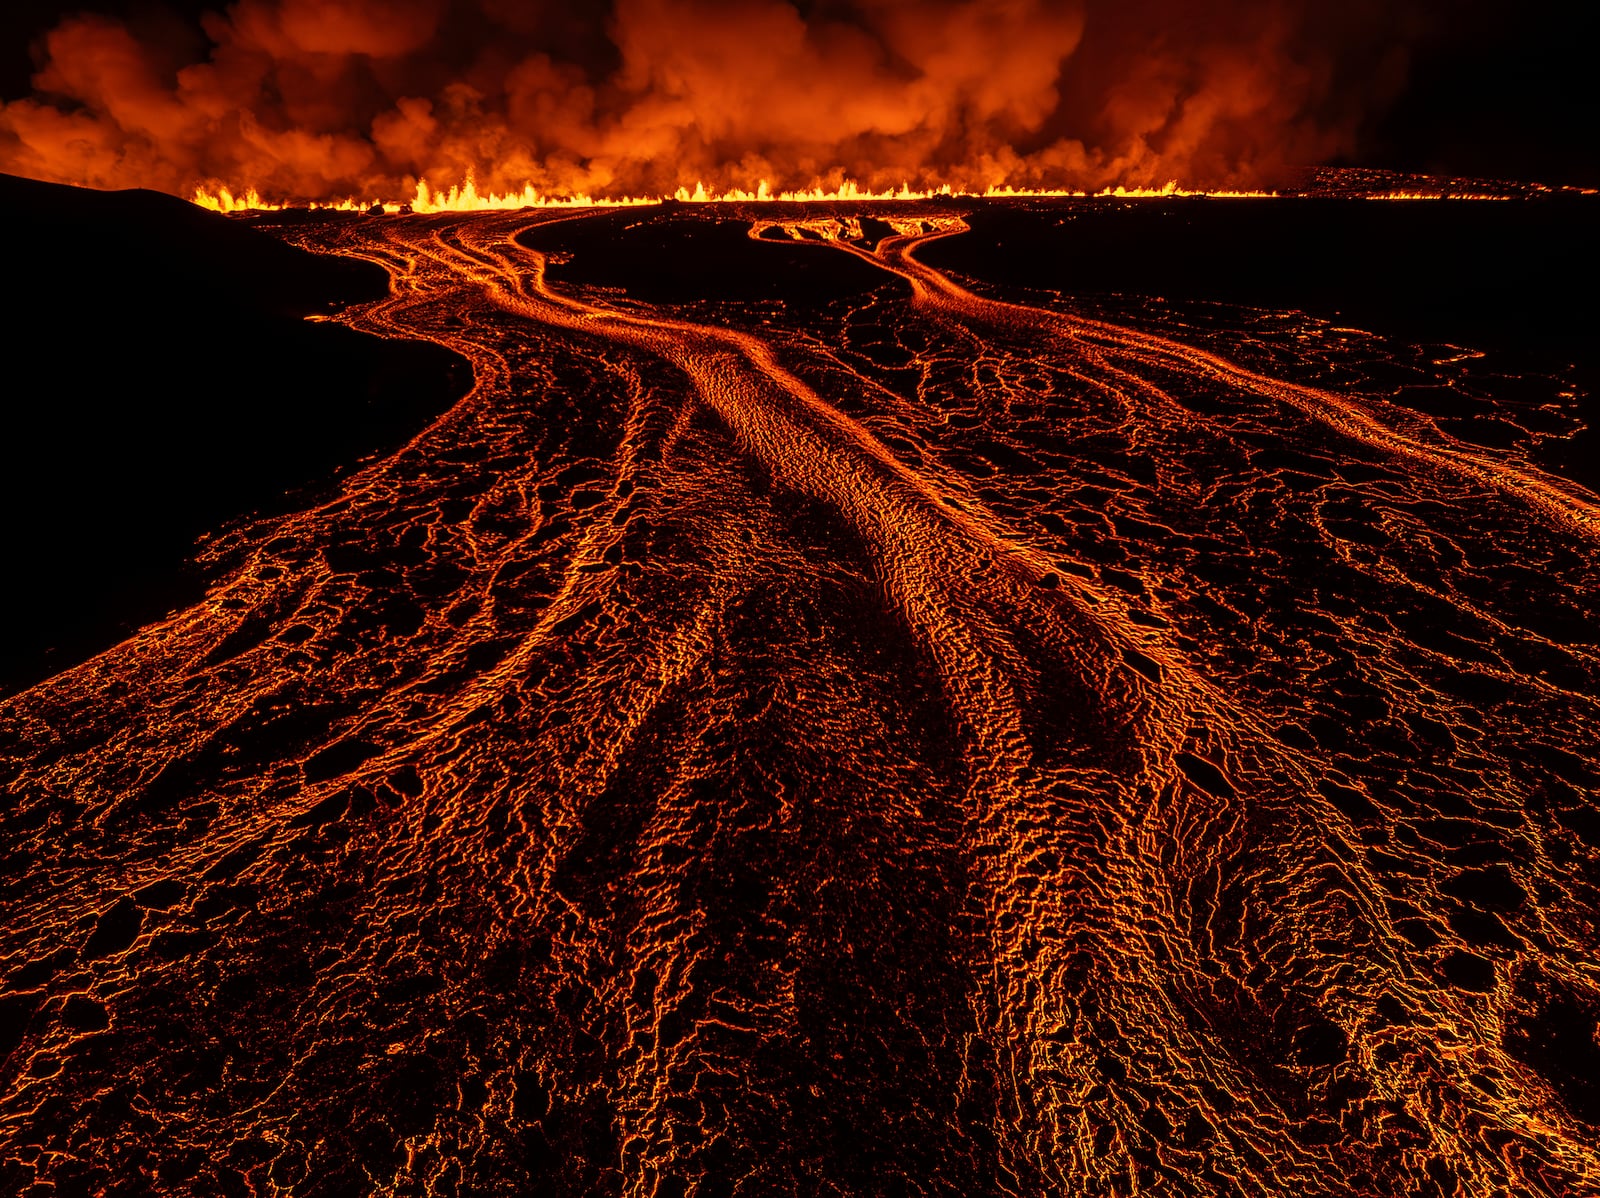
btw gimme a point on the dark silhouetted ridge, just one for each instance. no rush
(160, 380)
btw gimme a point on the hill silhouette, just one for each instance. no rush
(162, 380)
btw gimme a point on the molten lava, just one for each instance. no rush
(894, 735)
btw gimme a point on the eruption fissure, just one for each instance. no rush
(466, 197)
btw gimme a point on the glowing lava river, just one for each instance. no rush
(928, 738)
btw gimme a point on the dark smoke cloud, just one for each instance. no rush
(320, 98)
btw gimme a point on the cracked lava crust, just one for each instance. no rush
(914, 737)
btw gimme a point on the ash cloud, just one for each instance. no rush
(322, 98)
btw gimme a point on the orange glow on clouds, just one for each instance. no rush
(320, 101)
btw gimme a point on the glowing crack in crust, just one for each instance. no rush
(919, 742)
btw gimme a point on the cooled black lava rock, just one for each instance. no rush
(160, 379)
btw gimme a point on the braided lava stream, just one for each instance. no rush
(912, 741)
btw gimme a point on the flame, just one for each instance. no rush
(1171, 190)
(223, 200)
(465, 197)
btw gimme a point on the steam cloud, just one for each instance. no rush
(322, 98)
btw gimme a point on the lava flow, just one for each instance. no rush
(893, 735)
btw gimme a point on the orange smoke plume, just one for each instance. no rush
(326, 99)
